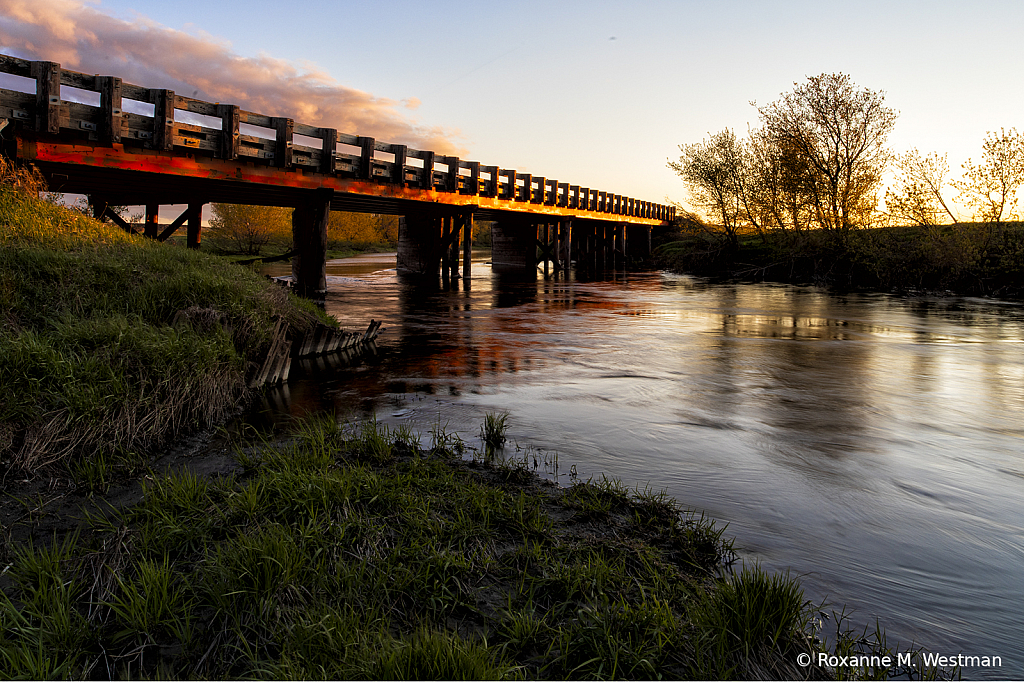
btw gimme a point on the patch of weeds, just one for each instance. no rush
(494, 428)
(433, 655)
(445, 444)
(751, 619)
(596, 501)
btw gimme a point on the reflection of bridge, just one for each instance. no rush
(122, 144)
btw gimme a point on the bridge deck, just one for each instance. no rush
(135, 145)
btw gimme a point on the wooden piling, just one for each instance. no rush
(309, 237)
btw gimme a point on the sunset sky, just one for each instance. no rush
(598, 94)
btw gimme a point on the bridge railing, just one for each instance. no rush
(104, 110)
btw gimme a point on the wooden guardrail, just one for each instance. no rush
(105, 111)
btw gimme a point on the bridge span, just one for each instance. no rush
(123, 144)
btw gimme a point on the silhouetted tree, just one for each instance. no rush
(834, 133)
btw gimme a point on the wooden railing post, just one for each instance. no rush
(110, 105)
(163, 119)
(330, 150)
(230, 118)
(491, 187)
(542, 190)
(527, 188)
(398, 174)
(366, 159)
(451, 182)
(473, 185)
(512, 192)
(283, 150)
(428, 170)
(47, 75)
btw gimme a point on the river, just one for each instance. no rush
(871, 444)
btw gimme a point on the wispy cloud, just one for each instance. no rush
(83, 38)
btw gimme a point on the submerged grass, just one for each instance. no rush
(346, 552)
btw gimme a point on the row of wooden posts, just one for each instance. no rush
(112, 112)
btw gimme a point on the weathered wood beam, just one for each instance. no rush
(48, 107)
(112, 120)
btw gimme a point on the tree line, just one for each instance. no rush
(817, 163)
(810, 176)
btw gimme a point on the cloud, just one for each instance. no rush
(143, 52)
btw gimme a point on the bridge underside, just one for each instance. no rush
(436, 225)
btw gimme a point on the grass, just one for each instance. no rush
(117, 343)
(345, 551)
(494, 428)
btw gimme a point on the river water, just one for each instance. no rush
(872, 445)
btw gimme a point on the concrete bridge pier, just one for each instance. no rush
(514, 248)
(309, 241)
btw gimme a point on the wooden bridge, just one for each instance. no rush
(123, 144)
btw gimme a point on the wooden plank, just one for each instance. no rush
(173, 227)
(198, 106)
(47, 75)
(283, 149)
(83, 81)
(256, 119)
(351, 140)
(135, 92)
(112, 118)
(230, 119)
(16, 66)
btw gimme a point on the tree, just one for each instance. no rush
(835, 133)
(990, 187)
(716, 174)
(916, 195)
(366, 228)
(248, 229)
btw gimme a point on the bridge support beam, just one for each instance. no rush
(194, 233)
(309, 240)
(638, 242)
(514, 248)
(419, 245)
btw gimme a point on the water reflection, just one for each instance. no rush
(870, 443)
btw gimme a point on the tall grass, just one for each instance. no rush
(113, 342)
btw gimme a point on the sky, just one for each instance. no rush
(598, 94)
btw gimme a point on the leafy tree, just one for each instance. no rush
(716, 173)
(247, 229)
(367, 228)
(916, 196)
(834, 133)
(990, 187)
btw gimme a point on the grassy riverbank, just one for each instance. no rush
(112, 344)
(341, 551)
(972, 259)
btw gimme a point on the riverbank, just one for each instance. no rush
(969, 259)
(118, 344)
(342, 551)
